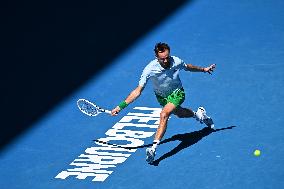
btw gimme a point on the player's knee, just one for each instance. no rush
(164, 115)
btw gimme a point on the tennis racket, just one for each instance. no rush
(90, 108)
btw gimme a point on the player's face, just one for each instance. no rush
(164, 57)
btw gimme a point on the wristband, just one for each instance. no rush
(122, 105)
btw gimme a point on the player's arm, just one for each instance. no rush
(208, 69)
(131, 97)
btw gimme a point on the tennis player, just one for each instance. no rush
(164, 74)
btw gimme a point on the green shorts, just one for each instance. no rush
(177, 97)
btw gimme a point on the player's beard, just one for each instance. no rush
(165, 65)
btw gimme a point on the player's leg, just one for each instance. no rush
(183, 112)
(200, 115)
(164, 117)
(170, 103)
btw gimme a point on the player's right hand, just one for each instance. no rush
(115, 111)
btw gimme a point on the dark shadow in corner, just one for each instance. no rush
(50, 48)
(187, 140)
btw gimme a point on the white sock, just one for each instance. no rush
(194, 116)
(198, 115)
(155, 144)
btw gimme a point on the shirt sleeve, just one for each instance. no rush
(145, 76)
(182, 64)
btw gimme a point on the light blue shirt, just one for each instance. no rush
(165, 81)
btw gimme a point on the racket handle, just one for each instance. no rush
(107, 111)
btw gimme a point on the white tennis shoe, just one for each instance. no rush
(150, 155)
(201, 116)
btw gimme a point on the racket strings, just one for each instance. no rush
(88, 108)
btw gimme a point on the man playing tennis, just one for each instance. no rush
(164, 74)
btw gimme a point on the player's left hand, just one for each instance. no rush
(210, 69)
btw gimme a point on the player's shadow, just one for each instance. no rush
(187, 140)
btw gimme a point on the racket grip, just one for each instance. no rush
(107, 111)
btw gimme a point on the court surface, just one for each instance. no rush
(244, 96)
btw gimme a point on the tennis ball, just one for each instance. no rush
(257, 153)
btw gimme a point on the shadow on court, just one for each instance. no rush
(187, 140)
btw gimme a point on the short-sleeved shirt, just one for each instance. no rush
(165, 81)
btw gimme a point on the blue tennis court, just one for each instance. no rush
(244, 96)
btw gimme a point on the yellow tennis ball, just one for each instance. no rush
(257, 153)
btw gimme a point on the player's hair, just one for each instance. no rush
(161, 47)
